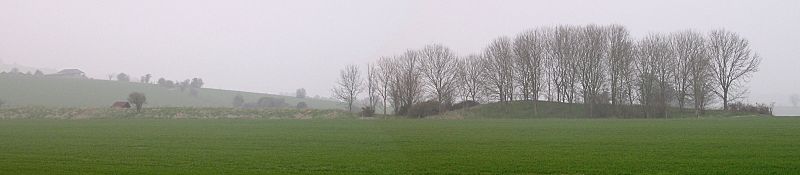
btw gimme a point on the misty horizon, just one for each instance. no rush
(277, 47)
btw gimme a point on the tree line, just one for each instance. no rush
(16, 71)
(602, 67)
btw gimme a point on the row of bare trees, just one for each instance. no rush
(602, 67)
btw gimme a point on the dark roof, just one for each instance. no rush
(121, 104)
(70, 71)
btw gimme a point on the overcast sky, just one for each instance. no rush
(279, 46)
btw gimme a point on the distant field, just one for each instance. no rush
(746, 145)
(61, 92)
(787, 111)
(171, 113)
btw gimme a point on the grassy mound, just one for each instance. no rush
(64, 92)
(540, 109)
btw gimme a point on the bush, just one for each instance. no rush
(193, 92)
(301, 105)
(367, 111)
(238, 101)
(137, 99)
(403, 110)
(301, 93)
(269, 102)
(464, 104)
(123, 77)
(751, 108)
(425, 109)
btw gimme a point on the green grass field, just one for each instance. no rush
(66, 92)
(746, 145)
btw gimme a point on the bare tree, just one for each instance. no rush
(691, 70)
(349, 86)
(795, 99)
(654, 59)
(196, 83)
(549, 62)
(408, 82)
(372, 86)
(410, 85)
(386, 77)
(146, 78)
(702, 86)
(439, 71)
(300, 93)
(470, 72)
(591, 66)
(733, 62)
(688, 47)
(563, 56)
(620, 67)
(499, 68)
(529, 48)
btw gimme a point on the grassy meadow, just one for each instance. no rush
(744, 145)
(20, 91)
(172, 113)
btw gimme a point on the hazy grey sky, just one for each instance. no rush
(278, 46)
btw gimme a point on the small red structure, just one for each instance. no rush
(121, 105)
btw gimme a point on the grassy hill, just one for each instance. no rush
(18, 90)
(529, 110)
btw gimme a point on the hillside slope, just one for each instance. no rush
(64, 92)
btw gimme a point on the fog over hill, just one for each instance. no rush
(279, 46)
(6, 67)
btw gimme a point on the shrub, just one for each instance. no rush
(270, 102)
(123, 77)
(751, 108)
(196, 83)
(403, 110)
(302, 105)
(464, 104)
(238, 101)
(165, 83)
(424, 109)
(137, 99)
(301, 93)
(367, 111)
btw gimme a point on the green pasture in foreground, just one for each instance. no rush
(548, 146)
